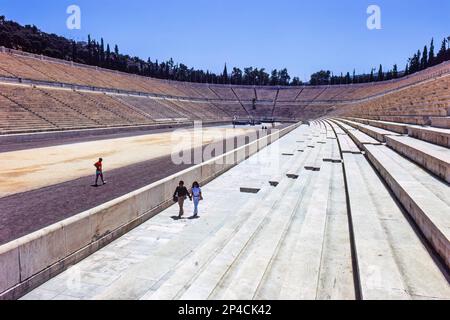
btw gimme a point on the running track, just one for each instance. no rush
(24, 213)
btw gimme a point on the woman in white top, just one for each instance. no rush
(196, 194)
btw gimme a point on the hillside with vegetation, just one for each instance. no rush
(98, 53)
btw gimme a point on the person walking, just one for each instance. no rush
(196, 195)
(180, 195)
(99, 172)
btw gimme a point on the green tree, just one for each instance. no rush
(74, 51)
(431, 55)
(380, 74)
(102, 52)
(447, 57)
(249, 76)
(263, 77)
(395, 72)
(415, 63)
(284, 77)
(347, 78)
(320, 78)
(108, 56)
(442, 52)
(89, 49)
(296, 81)
(274, 80)
(236, 76)
(424, 61)
(225, 74)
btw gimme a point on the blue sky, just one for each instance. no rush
(303, 36)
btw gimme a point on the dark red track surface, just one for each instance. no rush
(32, 141)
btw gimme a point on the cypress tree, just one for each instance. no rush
(448, 50)
(225, 74)
(97, 54)
(102, 52)
(108, 55)
(274, 81)
(431, 57)
(380, 74)
(424, 62)
(347, 78)
(395, 72)
(156, 69)
(442, 52)
(415, 63)
(418, 60)
(89, 49)
(74, 51)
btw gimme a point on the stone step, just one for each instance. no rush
(206, 279)
(374, 253)
(390, 126)
(336, 128)
(309, 158)
(166, 259)
(426, 199)
(328, 129)
(234, 266)
(434, 135)
(376, 133)
(441, 122)
(220, 219)
(301, 280)
(186, 271)
(272, 281)
(203, 282)
(284, 169)
(334, 279)
(345, 126)
(434, 158)
(416, 120)
(245, 276)
(284, 166)
(314, 163)
(330, 152)
(347, 145)
(360, 138)
(392, 261)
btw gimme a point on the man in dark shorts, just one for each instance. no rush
(99, 172)
(180, 194)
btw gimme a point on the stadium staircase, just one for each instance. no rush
(337, 221)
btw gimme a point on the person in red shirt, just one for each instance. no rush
(99, 173)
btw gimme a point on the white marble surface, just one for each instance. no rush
(290, 241)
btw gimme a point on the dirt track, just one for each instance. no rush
(18, 142)
(26, 170)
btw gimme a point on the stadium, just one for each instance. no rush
(325, 191)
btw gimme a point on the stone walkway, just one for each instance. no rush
(140, 261)
(291, 240)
